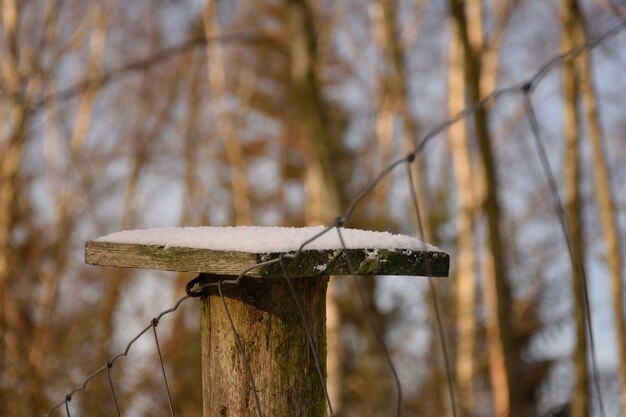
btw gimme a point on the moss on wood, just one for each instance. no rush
(308, 263)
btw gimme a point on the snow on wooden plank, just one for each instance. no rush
(231, 250)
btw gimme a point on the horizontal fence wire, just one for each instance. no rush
(197, 288)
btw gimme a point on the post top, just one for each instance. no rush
(231, 250)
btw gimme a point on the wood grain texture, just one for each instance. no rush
(309, 263)
(275, 344)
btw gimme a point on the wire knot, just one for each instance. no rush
(201, 291)
(155, 322)
(526, 87)
(68, 398)
(410, 157)
(339, 221)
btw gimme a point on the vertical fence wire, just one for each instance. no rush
(117, 406)
(368, 311)
(577, 263)
(309, 334)
(155, 323)
(242, 352)
(441, 331)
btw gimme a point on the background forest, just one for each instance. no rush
(125, 114)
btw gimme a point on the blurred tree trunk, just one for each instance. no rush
(12, 322)
(571, 168)
(465, 275)
(192, 208)
(399, 96)
(503, 356)
(384, 128)
(322, 183)
(240, 188)
(400, 103)
(383, 107)
(65, 194)
(604, 194)
(13, 319)
(186, 386)
(490, 60)
(307, 92)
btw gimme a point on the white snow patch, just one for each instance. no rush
(259, 239)
(321, 268)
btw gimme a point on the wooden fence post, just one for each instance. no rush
(265, 314)
(275, 342)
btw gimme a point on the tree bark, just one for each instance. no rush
(275, 343)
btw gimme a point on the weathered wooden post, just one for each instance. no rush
(261, 305)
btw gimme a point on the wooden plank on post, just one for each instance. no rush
(309, 263)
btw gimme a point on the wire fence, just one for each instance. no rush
(197, 287)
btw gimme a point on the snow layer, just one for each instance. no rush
(258, 239)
